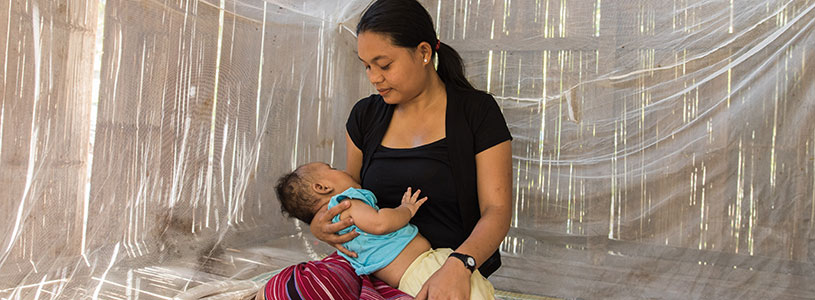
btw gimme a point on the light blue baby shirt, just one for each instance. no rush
(374, 252)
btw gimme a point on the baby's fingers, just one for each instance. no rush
(406, 195)
(415, 195)
(420, 202)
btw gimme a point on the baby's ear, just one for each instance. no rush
(321, 188)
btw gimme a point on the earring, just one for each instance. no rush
(425, 60)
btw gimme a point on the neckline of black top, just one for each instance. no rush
(442, 140)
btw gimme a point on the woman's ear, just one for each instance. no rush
(321, 188)
(425, 52)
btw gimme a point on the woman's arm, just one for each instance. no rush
(494, 171)
(321, 226)
(353, 158)
(494, 179)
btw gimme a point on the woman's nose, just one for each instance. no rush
(375, 77)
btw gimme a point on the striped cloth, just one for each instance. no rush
(330, 278)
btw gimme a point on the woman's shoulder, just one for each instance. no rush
(474, 101)
(369, 108)
(471, 94)
(372, 101)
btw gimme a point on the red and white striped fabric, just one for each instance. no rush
(330, 278)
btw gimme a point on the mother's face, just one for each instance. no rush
(396, 72)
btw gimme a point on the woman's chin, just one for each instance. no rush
(390, 99)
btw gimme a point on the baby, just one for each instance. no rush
(388, 246)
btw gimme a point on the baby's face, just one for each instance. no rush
(337, 179)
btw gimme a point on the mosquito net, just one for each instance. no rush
(662, 149)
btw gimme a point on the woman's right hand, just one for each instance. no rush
(323, 229)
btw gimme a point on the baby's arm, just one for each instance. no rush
(386, 220)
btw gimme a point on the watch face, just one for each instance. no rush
(471, 261)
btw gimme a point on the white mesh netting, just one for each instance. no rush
(662, 149)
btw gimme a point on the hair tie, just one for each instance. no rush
(438, 44)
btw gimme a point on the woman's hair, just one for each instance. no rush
(295, 196)
(408, 24)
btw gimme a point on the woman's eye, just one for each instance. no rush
(386, 67)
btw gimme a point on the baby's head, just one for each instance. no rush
(309, 187)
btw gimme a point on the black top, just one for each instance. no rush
(426, 167)
(473, 123)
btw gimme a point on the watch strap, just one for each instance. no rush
(468, 261)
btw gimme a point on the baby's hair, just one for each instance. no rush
(295, 196)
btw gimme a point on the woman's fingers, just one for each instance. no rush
(333, 228)
(344, 250)
(321, 225)
(450, 282)
(318, 224)
(323, 229)
(336, 210)
(422, 295)
(347, 237)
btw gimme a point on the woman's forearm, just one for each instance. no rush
(487, 235)
(494, 173)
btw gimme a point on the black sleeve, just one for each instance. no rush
(356, 122)
(489, 126)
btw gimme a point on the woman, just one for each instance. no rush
(426, 128)
(430, 129)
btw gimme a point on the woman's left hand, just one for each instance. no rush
(450, 282)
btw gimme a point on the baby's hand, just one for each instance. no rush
(412, 201)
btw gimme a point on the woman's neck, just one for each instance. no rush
(433, 95)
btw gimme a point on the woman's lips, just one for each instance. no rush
(383, 92)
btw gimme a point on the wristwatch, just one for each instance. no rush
(468, 261)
